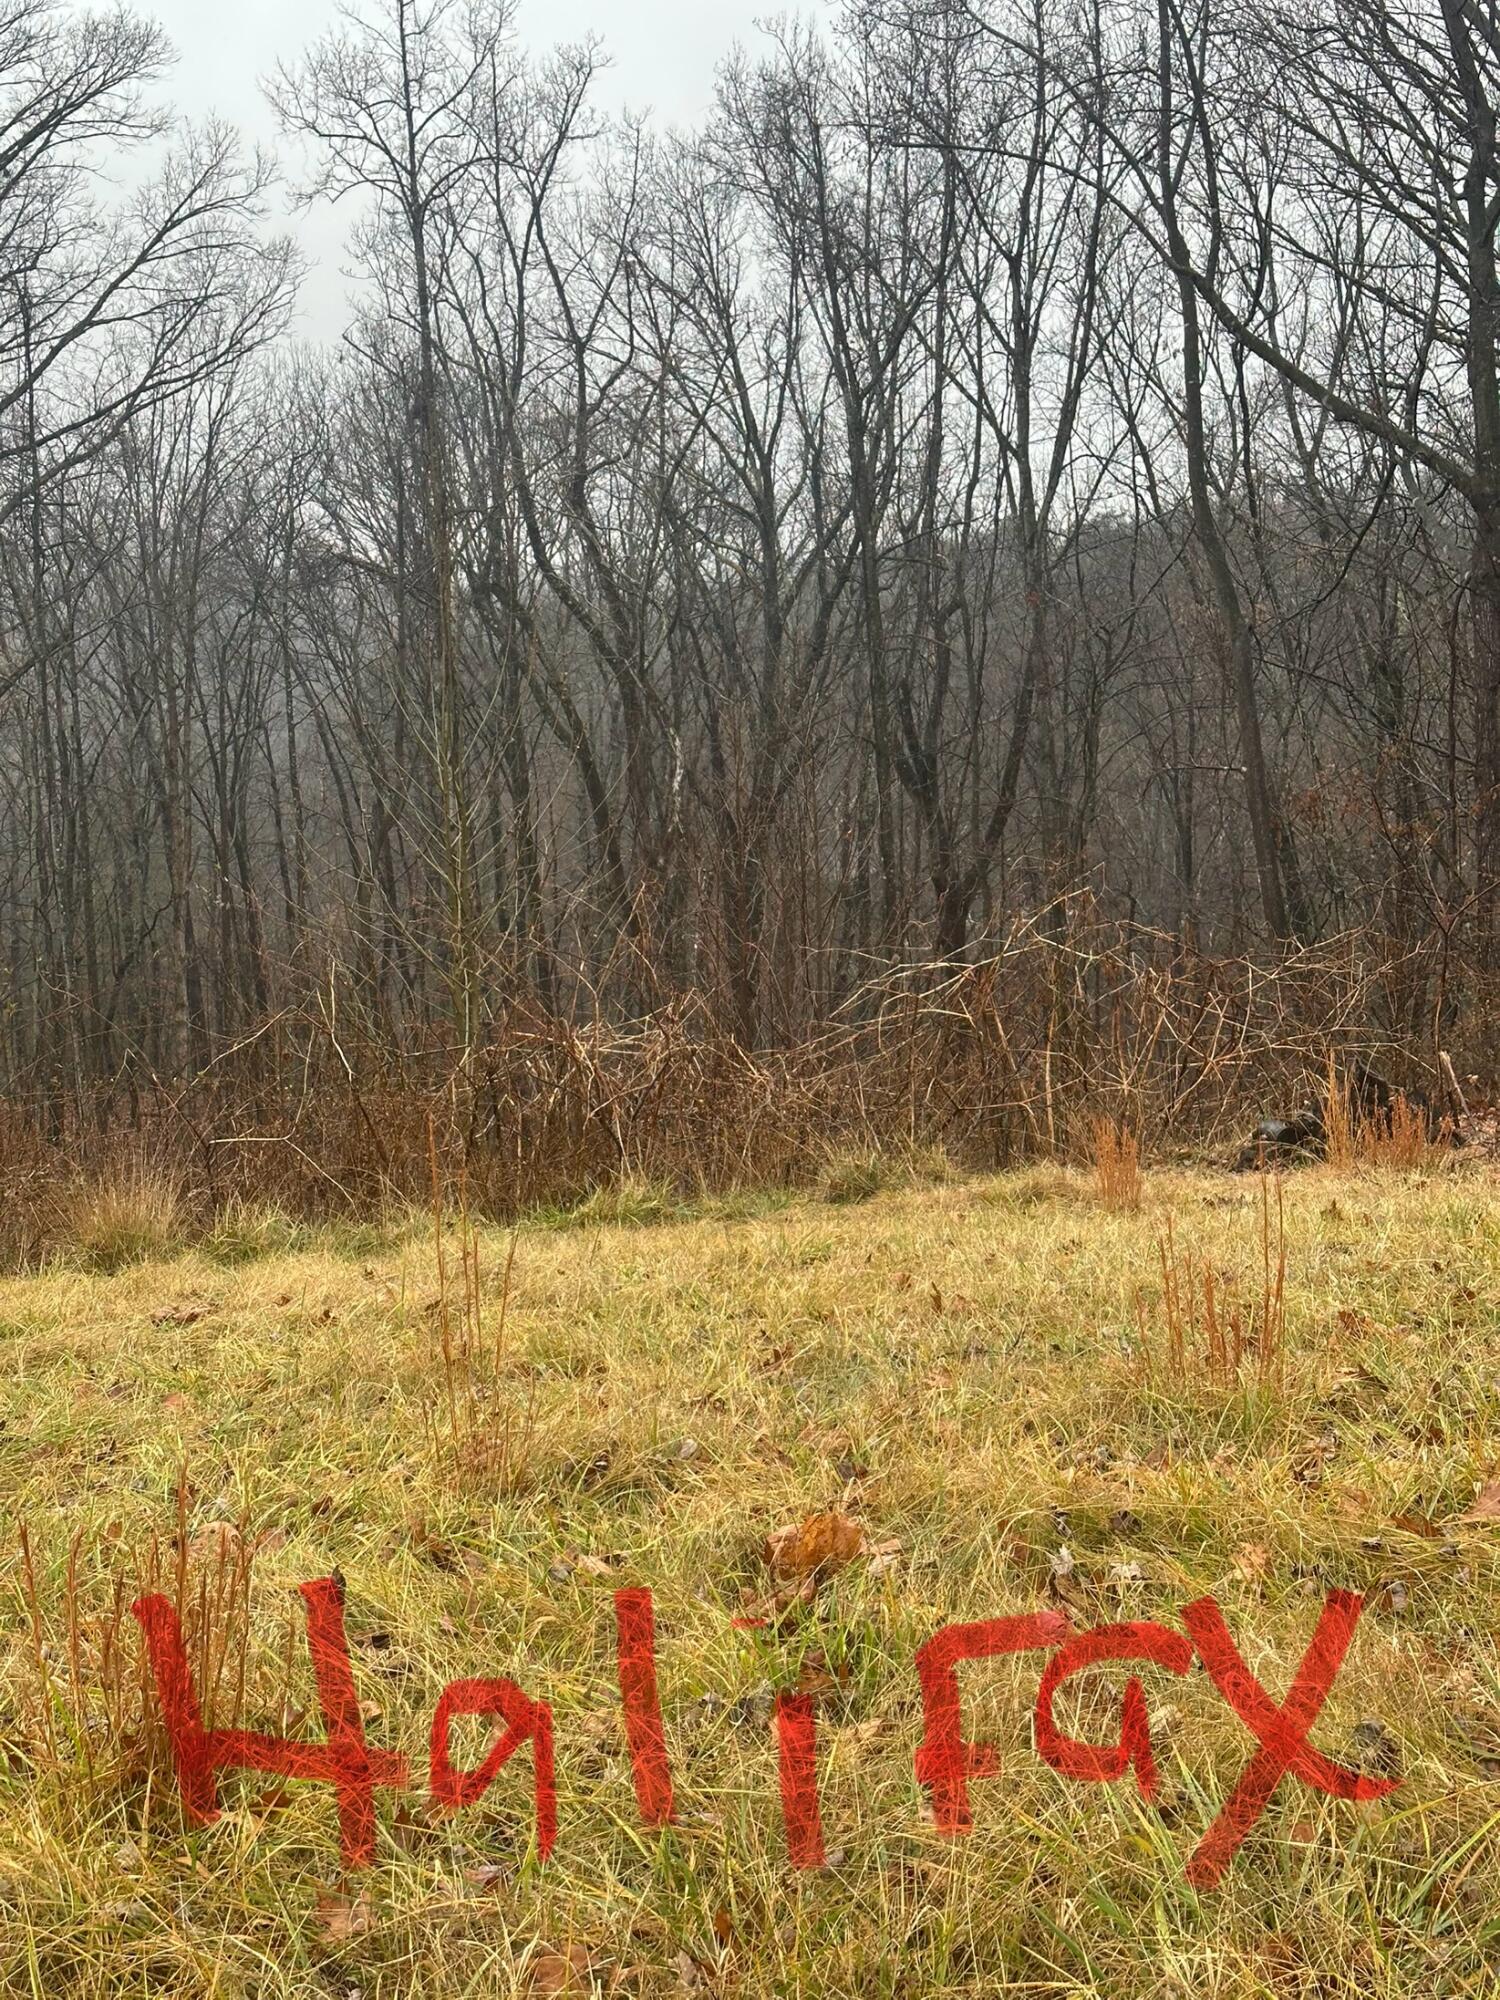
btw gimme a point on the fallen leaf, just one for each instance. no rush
(822, 1544)
(693, 1977)
(598, 1565)
(1252, 1560)
(183, 1312)
(1417, 1524)
(341, 1917)
(1486, 1505)
(568, 1971)
(862, 1735)
(1063, 1584)
(488, 1876)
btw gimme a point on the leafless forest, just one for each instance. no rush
(969, 583)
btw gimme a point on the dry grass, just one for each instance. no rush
(956, 1366)
(1208, 1328)
(1399, 1137)
(127, 1212)
(1117, 1165)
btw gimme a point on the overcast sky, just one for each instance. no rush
(664, 53)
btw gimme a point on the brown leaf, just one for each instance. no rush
(1417, 1524)
(176, 1402)
(598, 1565)
(216, 1542)
(1486, 1505)
(1252, 1560)
(693, 1976)
(184, 1312)
(1064, 1584)
(1066, 1591)
(489, 1876)
(567, 1971)
(861, 1735)
(341, 1917)
(822, 1544)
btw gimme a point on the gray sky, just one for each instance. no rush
(664, 53)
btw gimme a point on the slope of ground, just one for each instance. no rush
(984, 1376)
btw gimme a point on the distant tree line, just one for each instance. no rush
(1016, 453)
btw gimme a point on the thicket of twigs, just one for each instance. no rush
(1017, 1056)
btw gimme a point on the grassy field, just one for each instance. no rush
(990, 1377)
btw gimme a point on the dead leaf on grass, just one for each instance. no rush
(1064, 1584)
(490, 1876)
(340, 1916)
(1252, 1560)
(598, 1565)
(1417, 1524)
(182, 1312)
(822, 1544)
(568, 1971)
(1486, 1505)
(693, 1976)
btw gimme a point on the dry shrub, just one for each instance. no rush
(1204, 1327)
(1117, 1165)
(1340, 1123)
(995, 1062)
(87, 1708)
(129, 1211)
(1399, 1137)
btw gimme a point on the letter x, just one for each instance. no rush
(1282, 1732)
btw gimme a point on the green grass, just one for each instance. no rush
(956, 1366)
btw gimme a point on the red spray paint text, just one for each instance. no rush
(945, 1763)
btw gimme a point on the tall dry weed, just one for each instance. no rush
(1117, 1165)
(1203, 1327)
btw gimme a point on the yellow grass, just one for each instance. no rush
(957, 1367)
